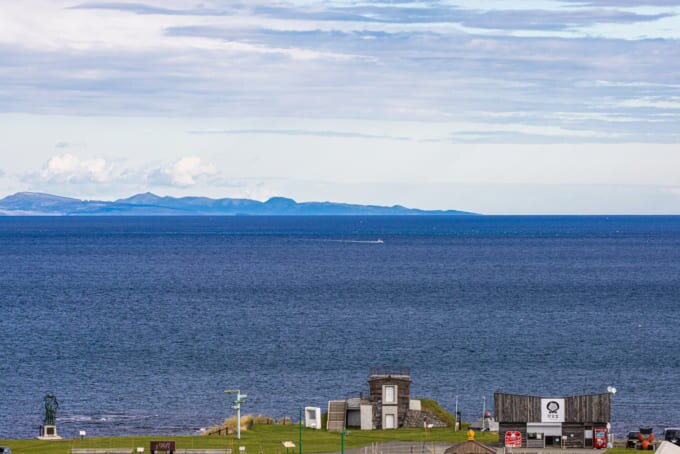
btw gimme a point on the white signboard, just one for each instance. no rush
(552, 410)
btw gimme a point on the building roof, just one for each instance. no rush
(471, 447)
(667, 448)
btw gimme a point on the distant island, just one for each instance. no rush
(148, 204)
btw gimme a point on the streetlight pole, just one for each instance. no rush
(240, 398)
(455, 423)
(483, 412)
(611, 390)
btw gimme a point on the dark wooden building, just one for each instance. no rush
(552, 421)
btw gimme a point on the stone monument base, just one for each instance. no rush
(48, 432)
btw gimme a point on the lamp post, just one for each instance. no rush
(455, 423)
(483, 412)
(240, 398)
(611, 390)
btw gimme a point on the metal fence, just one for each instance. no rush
(390, 370)
(401, 447)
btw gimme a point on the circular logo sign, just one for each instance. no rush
(553, 406)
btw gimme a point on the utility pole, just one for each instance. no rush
(240, 398)
(300, 449)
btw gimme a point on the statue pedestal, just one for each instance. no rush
(48, 432)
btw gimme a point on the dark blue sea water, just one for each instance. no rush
(139, 324)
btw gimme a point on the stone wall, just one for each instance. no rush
(415, 418)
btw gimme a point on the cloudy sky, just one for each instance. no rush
(494, 106)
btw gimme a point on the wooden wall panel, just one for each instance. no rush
(517, 408)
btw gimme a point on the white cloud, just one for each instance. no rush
(672, 102)
(183, 172)
(67, 168)
(59, 25)
(71, 174)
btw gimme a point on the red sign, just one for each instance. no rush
(513, 439)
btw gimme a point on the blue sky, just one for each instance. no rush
(530, 106)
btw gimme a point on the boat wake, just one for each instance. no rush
(378, 241)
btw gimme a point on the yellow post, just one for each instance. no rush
(471, 435)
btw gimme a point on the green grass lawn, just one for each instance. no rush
(266, 438)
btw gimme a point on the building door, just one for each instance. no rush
(389, 422)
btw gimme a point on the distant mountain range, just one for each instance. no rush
(148, 204)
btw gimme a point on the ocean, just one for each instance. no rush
(138, 324)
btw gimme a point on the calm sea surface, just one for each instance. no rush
(139, 324)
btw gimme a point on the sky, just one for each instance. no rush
(491, 106)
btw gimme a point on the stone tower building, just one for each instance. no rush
(390, 391)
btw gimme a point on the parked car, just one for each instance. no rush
(5, 450)
(672, 434)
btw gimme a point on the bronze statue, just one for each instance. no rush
(51, 406)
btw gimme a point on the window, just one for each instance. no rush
(390, 394)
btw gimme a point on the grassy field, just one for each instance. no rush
(265, 439)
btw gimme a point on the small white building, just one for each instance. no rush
(313, 417)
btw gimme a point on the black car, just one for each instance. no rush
(632, 440)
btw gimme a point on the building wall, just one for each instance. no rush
(578, 409)
(516, 408)
(367, 417)
(376, 384)
(589, 408)
(418, 419)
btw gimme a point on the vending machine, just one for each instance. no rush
(600, 438)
